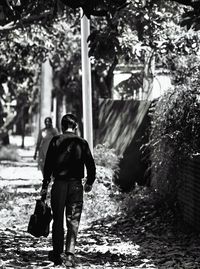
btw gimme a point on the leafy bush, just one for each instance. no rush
(101, 202)
(175, 134)
(9, 153)
(106, 157)
(131, 202)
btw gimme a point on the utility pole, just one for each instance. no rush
(86, 83)
(46, 91)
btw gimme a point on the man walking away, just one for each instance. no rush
(66, 156)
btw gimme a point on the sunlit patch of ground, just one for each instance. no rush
(19, 249)
(143, 240)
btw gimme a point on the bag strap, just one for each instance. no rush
(43, 197)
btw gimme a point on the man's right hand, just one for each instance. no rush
(87, 188)
(43, 194)
(43, 191)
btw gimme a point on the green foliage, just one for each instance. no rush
(175, 120)
(175, 134)
(104, 44)
(21, 56)
(106, 157)
(45, 11)
(106, 200)
(9, 153)
(51, 28)
(130, 203)
(191, 17)
(127, 31)
(66, 60)
(23, 12)
(101, 202)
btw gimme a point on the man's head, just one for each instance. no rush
(69, 121)
(48, 122)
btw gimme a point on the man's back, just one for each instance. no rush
(66, 157)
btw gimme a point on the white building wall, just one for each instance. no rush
(162, 82)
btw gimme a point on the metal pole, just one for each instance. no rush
(86, 83)
(46, 89)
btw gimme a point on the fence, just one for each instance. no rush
(123, 124)
(189, 193)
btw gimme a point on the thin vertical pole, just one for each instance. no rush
(86, 83)
(46, 89)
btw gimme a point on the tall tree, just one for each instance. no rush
(119, 34)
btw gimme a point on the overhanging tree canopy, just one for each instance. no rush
(21, 12)
(26, 14)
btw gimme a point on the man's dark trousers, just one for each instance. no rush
(66, 194)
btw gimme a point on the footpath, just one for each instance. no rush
(146, 239)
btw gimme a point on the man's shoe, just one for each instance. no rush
(69, 260)
(56, 258)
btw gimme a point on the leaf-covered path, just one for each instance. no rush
(145, 239)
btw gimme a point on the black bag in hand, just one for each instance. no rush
(39, 222)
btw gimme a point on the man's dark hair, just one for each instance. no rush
(47, 119)
(69, 121)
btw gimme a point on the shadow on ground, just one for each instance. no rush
(147, 238)
(156, 235)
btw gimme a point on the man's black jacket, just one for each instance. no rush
(66, 156)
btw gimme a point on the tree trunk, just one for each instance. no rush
(5, 139)
(148, 74)
(23, 129)
(61, 110)
(104, 83)
(23, 137)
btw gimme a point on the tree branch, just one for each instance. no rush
(20, 23)
(185, 2)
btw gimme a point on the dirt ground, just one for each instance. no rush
(144, 240)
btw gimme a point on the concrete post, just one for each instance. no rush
(46, 90)
(86, 83)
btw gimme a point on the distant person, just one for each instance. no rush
(44, 137)
(66, 156)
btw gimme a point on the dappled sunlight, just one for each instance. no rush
(23, 173)
(18, 182)
(124, 247)
(145, 238)
(100, 245)
(29, 141)
(123, 126)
